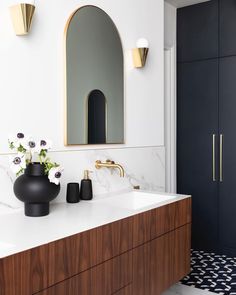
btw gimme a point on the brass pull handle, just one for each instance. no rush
(214, 157)
(221, 157)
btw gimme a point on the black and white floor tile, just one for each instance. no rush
(212, 272)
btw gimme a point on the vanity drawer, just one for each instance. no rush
(161, 262)
(114, 239)
(141, 228)
(69, 256)
(36, 269)
(72, 255)
(170, 217)
(105, 279)
(154, 223)
(24, 273)
(181, 238)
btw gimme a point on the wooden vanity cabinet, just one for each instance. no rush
(104, 279)
(161, 262)
(140, 255)
(154, 223)
(70, 256)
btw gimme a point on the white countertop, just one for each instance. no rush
(19, 233)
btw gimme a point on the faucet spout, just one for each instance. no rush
(110, 164)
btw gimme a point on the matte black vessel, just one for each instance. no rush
(35, 190)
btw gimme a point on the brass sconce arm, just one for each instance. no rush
(110, 164)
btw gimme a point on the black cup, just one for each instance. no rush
(72, 194)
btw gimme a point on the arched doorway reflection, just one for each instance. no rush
(96, 117)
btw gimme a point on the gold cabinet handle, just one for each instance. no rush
(214, 157)
(221, 157)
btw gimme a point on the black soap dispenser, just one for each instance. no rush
(86, 190)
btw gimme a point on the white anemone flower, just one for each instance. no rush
(31, 145)
(16, 140)
(45, 144)
(55, 174)
(18, 163)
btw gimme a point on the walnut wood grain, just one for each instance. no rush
(141, 228)
(183, 212)
(181, 239)
(105, 279)
(170, 259)
(24, 273)
(124, 291)
(162, 220)
(13, 271)
(79, 284)
(154, 223)
(169, 217)
(72, 255)
(151, 266)
(141, 269)
(39, 271)
(114, 239)
(161, 262)
(112, 275)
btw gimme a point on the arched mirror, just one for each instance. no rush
(94, 79)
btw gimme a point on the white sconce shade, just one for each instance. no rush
(142, 43)
(140, 53)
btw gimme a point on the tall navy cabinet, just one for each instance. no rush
(206, 112)
(197, 123)
(198, 32)
(227, 129)
(227, 28)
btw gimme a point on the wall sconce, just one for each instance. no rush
(140, 53)
(22, 15)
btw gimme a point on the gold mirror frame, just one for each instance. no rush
(65, 82)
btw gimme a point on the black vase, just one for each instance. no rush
(35, 190)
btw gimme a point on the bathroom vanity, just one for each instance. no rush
(102, 247)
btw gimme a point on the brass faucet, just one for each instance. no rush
(110, 164)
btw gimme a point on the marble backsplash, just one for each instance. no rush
(143, 166)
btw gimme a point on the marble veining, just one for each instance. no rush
(6, 170)
(143, 166)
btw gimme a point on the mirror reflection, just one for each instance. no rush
(96, 117)
(94, 79)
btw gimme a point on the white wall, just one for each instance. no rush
(31, 70)
(32, 92)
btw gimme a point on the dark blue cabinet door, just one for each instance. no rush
(198, 31)
(227, 28)
(227, 188)
(197, 113)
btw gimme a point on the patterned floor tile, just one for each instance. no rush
(212, 272)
